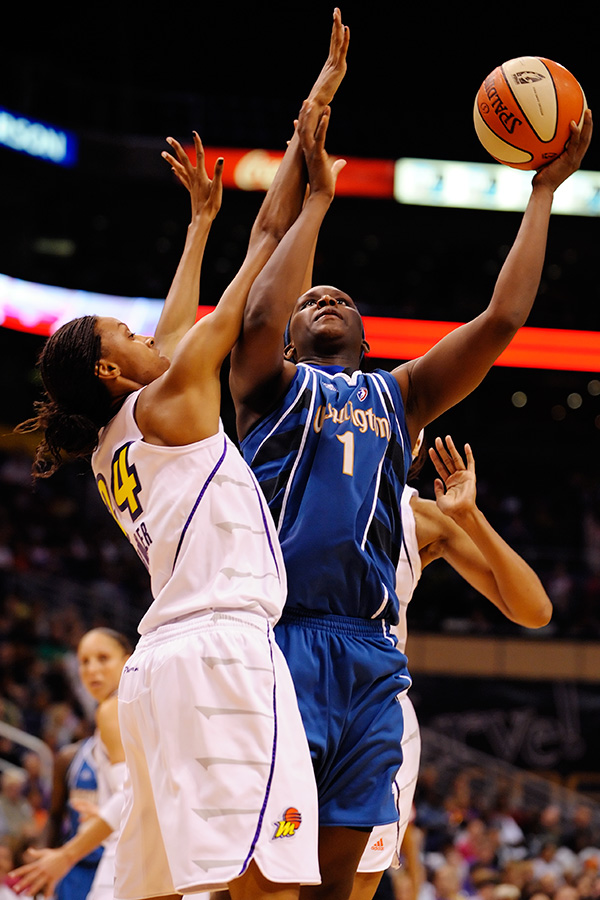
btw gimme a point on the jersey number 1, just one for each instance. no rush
(347, 439)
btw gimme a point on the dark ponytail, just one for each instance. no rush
(76, 404)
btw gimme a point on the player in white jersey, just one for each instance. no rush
(101, 654)
(220, 789)
(451, 528)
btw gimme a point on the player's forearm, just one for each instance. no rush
(286, 194)
(283, 201)
(519, 278)
(90, 835)
(280, 283)
(520, 591)
(269, 282)
(181, 305)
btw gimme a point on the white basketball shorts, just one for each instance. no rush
(219, 771)
(385, 841)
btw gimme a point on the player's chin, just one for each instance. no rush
(330, 323)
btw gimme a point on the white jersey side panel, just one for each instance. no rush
(105, 789)
(409, 568)
(197, 519)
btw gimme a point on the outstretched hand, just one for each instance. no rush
(323, 170)
(332, 73)
(205, 193)
(455, 489)
(330, 76)
(553, 174)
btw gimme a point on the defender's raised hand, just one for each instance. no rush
(205, 193)
(455, 489)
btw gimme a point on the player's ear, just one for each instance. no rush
(106, 370)
(289, 353)
(365, 347)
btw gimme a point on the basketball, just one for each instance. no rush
(523, 111)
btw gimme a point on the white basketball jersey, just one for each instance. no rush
(409, 567)
(196, 517)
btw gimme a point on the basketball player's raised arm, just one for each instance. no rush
(213, 337)
(181, 305)
(257, 378)
(279, 209)
(183, 404)
(455, 366)
(260, 343)
(454, 528)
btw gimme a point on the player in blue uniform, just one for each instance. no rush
(74, 779)
(330, 446)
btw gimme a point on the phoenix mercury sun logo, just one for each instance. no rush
(289, 824)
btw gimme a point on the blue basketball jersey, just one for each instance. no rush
(82, 782)
(332, 460)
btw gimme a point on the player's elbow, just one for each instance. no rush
(540, 614)
(504, 322)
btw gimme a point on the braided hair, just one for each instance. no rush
(76, 403)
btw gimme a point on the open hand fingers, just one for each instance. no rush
(340, 37)
(199, 147)
(447, 459)
(29, 880)
(581, 137)
(321, 130)
(181, 170)
(470, 458)
(182, 156)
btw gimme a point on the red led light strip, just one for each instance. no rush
(531, 348)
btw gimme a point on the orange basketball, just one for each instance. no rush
(523, 111)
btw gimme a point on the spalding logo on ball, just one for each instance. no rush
(523, 111)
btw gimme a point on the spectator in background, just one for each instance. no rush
(35, 783)
(483, 882)
(447, 883)
(506, 892)
(581, 833)
(16, 813)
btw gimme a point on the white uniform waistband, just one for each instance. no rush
(202, 622)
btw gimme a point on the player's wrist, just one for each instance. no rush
(468, 516)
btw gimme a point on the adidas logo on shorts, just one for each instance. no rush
(378, 845)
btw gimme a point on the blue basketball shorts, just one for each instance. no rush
(77, 882)
(348, 674)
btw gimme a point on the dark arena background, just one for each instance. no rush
(511, 713)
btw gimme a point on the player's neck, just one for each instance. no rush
(338, 360)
